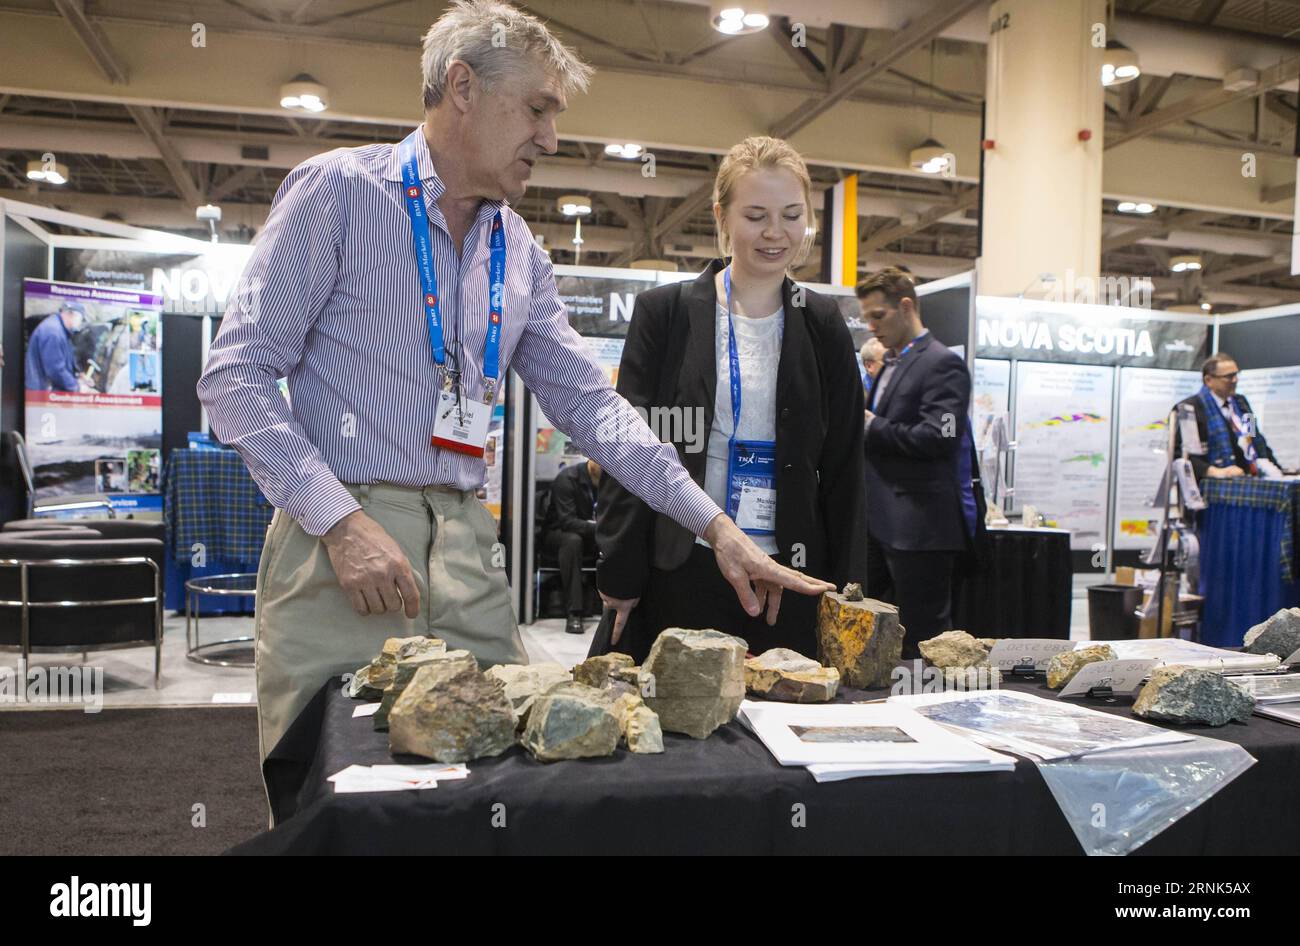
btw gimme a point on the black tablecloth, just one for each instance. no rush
(726, 794)
(1024, 589)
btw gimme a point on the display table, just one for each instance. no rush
(1024, 589)
(210, 501)
(725, 794)
(1247, 535)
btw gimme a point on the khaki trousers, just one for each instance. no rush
(308, 632)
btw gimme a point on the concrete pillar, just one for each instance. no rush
(1042, 184)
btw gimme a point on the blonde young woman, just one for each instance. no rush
(768, 368)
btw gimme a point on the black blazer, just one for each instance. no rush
(669, 360)
(912, 452)
(1201, 462)
(573, 499)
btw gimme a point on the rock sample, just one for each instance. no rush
(1180, 694)
(955, 649)
(694, 680)
(788, 676)
(451, 712)
(596, 671)
(571, 721)
(404, 672)
(370, 681)
(626, 680)
(1063, 666)
(1279, 635)
(862, 639)
(523, 683)
(639, 724)
(853, 592)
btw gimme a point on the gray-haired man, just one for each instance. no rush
(393, 286)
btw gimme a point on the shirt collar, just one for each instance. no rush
(892, 359)
(433, 185)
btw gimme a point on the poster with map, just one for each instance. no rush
(1062, 463)
(1146, 397)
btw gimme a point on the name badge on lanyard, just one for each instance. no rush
(1244, 425)
(461, 423)
(751, 464)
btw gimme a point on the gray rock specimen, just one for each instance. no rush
(694, 680)
(954, 649)
(523, 683)
(1279, 635)
(788, 676)
(625, 680)
(404, 672)
(639, 724)
(1180, 694)
(643, 733)
(596, 671)
(370, 681)
(853, 592)
(1063, 666)
(863, 639)
(572, 721)
(451, 712)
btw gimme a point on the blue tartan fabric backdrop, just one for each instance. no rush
(209, 499)
(1247, 535)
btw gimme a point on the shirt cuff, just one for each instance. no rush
(321, 502)
(693, 508)
(867, 425)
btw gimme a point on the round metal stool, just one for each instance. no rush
(240, 585)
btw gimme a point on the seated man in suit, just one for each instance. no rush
(922, 508)
(569, 532)
(1229, 433)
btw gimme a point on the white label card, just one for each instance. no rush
(1122, 676)
(1011, 651)
(757, 509)
(365, 709)
(461, 424)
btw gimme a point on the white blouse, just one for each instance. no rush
(758, 346)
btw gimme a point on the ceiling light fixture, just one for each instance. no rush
(304, 94)
(573, 205)
(1184, 264)
(628, 151)
(930, 157)
(1135, 207)
(47, 172)
(1120, 64)
(737, 19)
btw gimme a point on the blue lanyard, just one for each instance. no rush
(415, 210)
(733, 358)
(908, 347)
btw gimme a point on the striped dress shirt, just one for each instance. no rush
(331, 299)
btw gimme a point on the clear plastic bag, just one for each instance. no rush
(1118, 800)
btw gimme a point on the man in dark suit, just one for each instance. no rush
(923, 514)
(1229, 433)
(569, 532)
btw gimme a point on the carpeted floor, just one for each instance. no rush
(127, 781)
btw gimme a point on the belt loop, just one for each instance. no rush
(365, 494)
